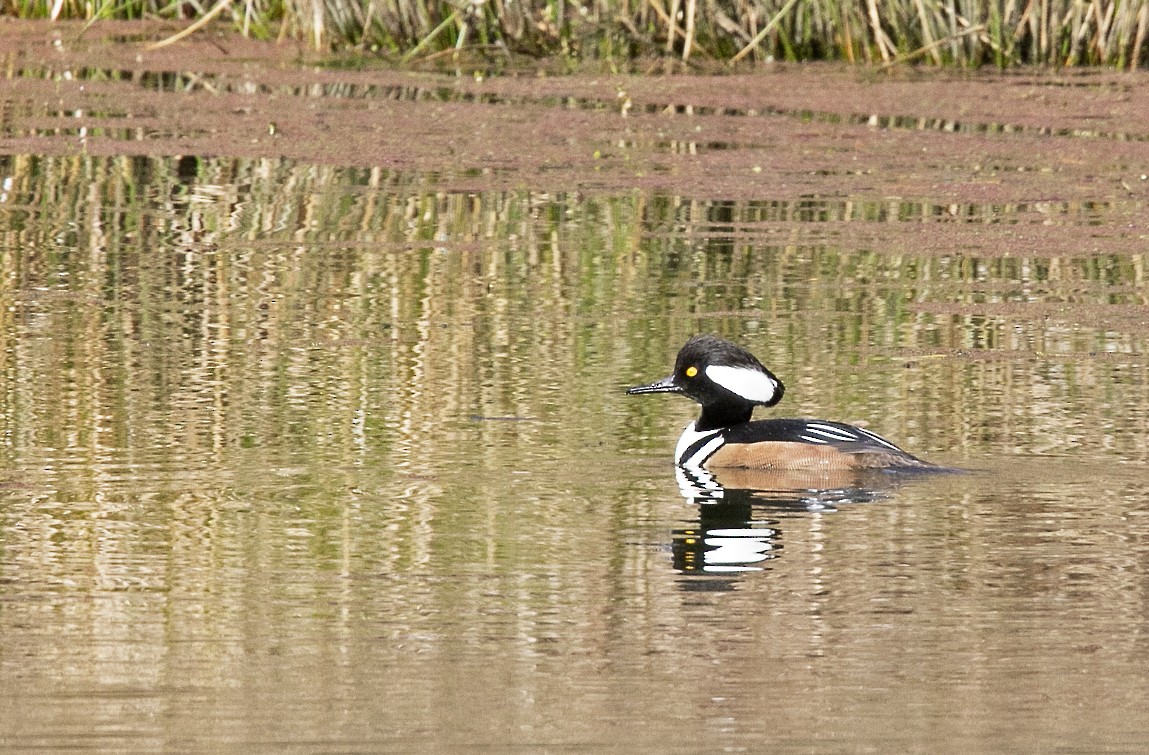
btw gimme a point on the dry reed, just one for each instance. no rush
(953, 32)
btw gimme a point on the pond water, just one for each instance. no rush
(300, 456)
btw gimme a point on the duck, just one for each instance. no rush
(728, 381)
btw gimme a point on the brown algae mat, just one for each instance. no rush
(1046, 148)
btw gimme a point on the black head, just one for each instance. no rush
(726, 379)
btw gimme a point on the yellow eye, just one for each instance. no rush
(691, 371)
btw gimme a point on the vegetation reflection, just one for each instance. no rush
(210, 333)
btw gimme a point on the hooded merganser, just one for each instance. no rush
(729, 382)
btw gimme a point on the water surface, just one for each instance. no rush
(305, 457)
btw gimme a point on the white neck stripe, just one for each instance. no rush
(689, 438)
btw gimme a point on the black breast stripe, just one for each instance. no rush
(697, 445)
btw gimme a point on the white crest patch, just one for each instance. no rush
(750, 384)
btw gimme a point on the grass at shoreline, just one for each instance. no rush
(940, 32)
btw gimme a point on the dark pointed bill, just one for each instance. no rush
(666, 385)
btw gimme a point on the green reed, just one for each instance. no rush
(942, 32)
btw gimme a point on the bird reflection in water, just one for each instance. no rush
(739, 511)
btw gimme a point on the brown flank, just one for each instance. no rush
(789, 455)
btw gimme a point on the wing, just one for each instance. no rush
(818, 431)
(809, 443)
